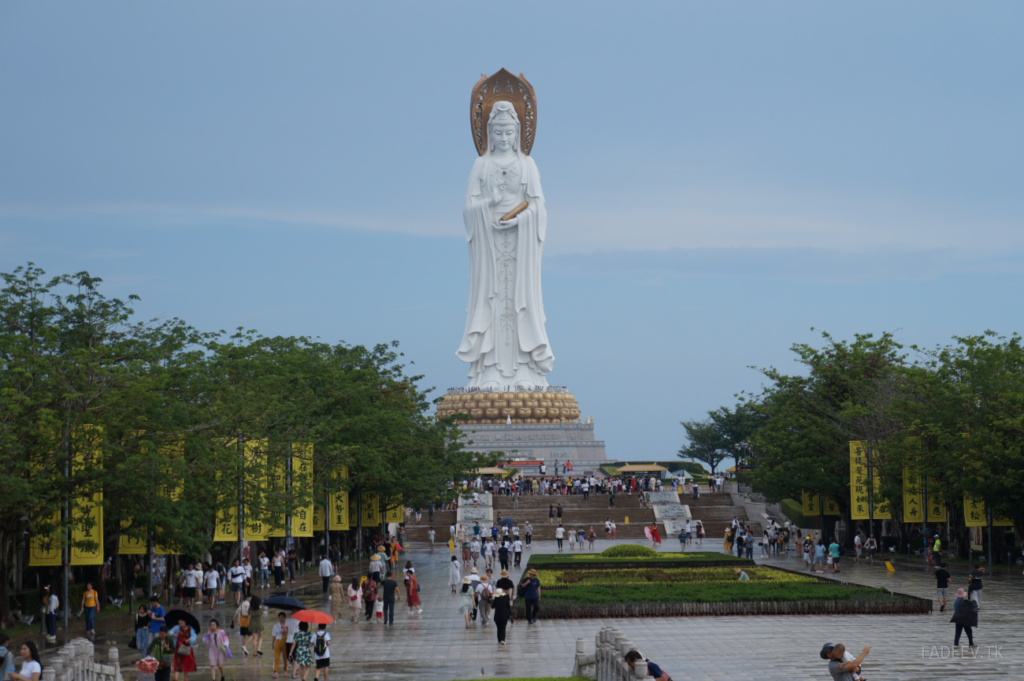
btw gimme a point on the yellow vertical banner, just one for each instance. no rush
(227, 524)
(254, 526)
(370, 508)
(302, 486)
(936, 504)
(226, 527)
(974, 512)
(810, 505)
(130, 543)
(830, 506)
(318, 518)
(858, 481)
(277, 485)
(395, 512)
(913, 501)
(45, 550)
(881, 506)
(339, 511)
(87, 512)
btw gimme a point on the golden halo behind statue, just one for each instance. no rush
(503, 86)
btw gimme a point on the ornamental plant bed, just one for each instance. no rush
(595, 561)
(788, 593)
(568, 578)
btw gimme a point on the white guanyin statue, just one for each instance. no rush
(505, 342)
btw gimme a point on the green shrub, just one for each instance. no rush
(629, 551)
(718, 592)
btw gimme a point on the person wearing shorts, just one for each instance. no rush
(942, 578)
(322, 661)
(833, 549)
(871, 546)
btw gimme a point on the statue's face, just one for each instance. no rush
(503, 136)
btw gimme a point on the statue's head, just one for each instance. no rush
(503, 127)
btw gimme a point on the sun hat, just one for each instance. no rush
(484, 578)
(467, 580)
(498, 593)
(533, 572)
(474, 571)
(336, 578)
(504, 573)
(960, 593)
(375, 556)
(826, 649)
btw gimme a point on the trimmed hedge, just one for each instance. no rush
(567, 579)
(629, 551)
(593, 561)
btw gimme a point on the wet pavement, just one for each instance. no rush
(436, 644)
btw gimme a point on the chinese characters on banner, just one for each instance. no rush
(277, 484)
(87, 513)
(318, 518)
(810, 505)
(370, 508)
(858, 481)
(302, 481)
(395, 512)
(339, 511)
(974, 515)
(936, 504)
(227, 525)
(859, 466)
(130, 545)
(831, 507)
(913, 500)
(255, 453)
(45, 550)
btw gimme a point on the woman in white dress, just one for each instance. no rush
(454, 573)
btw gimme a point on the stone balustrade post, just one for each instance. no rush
(640, 671)
(49, 674)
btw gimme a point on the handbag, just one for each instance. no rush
(183, 650)
(243, 621)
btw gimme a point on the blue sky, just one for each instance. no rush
(720, 178)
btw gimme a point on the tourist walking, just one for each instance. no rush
(236, 577)
(161, 648)
(819, 555)
(302, 650)
(322, 651)
(278, 564)
(389, 589)
(965, 617)
(413, 597)
(338, 598)
(326, 572)
(218, 649)
(872, 546)
(90, 604)
(502, 609)
(264, 570)
(466, 603)
(942, 578)
(974, 587)
(355, 600)
(50, 604)
(559, 536)
(836, 554)
(142, 621)
(528, 528)
(184, 652)
(529, 587)
(454, 573)
(279, 643)
(369, 597)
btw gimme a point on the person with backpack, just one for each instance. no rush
(322, 651)
(965, 617)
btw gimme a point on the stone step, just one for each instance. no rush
(632, 531)
(566, 501)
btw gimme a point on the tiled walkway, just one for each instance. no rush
(435, 645)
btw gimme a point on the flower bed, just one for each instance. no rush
(570, 592)
(568, 578)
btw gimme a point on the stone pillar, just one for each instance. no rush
(640, 671)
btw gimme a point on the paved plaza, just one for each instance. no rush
(436, 645)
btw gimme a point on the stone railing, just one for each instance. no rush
(76, 662)
(608, 662)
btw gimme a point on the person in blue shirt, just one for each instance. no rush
(834, 548)
(652, 669)
(156, 616)
(530, 590)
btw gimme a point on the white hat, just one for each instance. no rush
(467, 580)
(498, 593)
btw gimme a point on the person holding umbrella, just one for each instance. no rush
(184, 638)
(321, 640)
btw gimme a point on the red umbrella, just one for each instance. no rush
(313, 617)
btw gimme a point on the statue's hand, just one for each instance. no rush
(498, 224)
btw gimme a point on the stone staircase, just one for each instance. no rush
(715, 510)
(575, 512)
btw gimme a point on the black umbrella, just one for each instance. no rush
(507, 521)
(284, 603)
(172, 617)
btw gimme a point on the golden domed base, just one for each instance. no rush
(523, 407)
